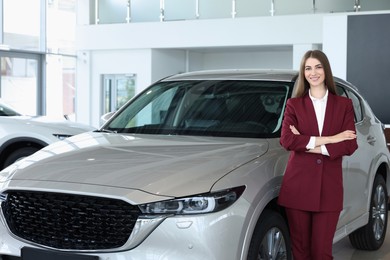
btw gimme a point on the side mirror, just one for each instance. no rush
(104, 118)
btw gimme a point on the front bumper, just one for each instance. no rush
(219, 235)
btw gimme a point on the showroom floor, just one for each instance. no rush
(343, 250)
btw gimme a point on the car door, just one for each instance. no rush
(356, 167)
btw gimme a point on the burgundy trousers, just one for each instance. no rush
(312, 233)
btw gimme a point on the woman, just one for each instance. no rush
(319, 129)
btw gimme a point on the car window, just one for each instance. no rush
(357, 107)
(7, 111)
(341, 91)
(209, 108)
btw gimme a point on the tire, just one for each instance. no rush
(372, 235)
(19, 154)
(271, 239)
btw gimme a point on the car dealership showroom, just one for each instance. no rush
(178, 129)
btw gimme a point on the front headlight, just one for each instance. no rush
(62, 136)
(198, 204)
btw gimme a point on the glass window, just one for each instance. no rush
(245, 8)
(117, 90)
(112, 11)
(6, 110)
(21, 20)
(357, 107)
(341, 91)
(61, 14)
(61, 89)
(61, 70)
(179, 10)
(215, 9)
(145, 11)
(207, 108)
(154, 112)
(19, 83)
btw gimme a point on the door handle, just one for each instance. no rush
(371, 140)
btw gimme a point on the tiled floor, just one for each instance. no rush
(343, 250)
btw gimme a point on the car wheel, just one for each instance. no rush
(19, 154)
(372, 235)
(270, 239)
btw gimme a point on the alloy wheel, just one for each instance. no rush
(273, 246)
(379, 212)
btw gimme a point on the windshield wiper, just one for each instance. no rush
(106, 131)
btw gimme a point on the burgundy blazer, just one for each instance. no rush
(314, 182)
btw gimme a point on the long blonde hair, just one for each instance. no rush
(303, 86)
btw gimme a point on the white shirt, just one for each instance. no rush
(319, 108)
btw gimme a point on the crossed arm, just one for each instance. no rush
(322, 140)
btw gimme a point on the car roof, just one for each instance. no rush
(282, 75)
(236, 74)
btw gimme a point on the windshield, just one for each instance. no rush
(225, 108)
(7, 111)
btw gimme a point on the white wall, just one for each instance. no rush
(280, 59)
(167, 62)
(153, 50)
(239, 32)
(194, 61)
(98, 63)
(335, 43)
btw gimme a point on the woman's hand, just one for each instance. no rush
(345, 135)
(294, 130)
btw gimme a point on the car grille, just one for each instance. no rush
(72, 222)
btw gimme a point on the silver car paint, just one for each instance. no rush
(175, 166)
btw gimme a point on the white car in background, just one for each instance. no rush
(22, 135)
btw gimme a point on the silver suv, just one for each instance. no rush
(189, 169)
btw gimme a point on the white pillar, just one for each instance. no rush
(84, 9)
(83, 89)
(335, 34)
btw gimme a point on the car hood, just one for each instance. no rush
(161, 165)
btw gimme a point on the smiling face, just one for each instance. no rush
(314, 72)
